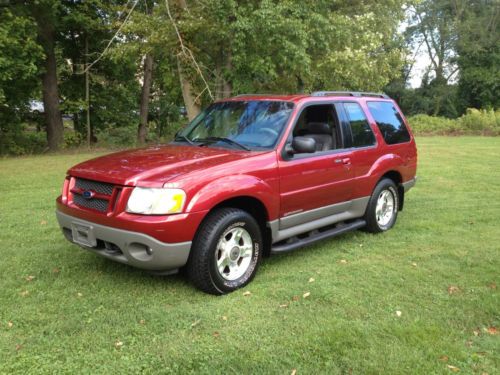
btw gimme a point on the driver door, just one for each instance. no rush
(319, 184)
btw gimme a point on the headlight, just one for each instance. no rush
(152, 201)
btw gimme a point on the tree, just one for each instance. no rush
(290, 46)
(433, 23)
(18, 74)
(45, 13)
(478, 49)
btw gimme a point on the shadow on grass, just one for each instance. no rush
(122, 277)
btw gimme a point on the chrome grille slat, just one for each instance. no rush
(98, 187)
(97, 204)
(94, 203)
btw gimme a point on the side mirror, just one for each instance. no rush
(302, 145)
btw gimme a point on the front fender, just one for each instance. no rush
(229, 187)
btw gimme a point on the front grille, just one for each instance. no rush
(98, 187)
(94, 203)
(100, 203)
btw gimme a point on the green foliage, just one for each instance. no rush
(479, 54)
(257, 46)
(461, 39)
(423, 100)
(432, 125)
(72, 140)
(294, 46)
(17, 142)
(121, 136)
(473, 122)
(482, 121)
(19, 58)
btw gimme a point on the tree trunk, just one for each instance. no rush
(192, 108)
(87, 92)
(142, 131)
(50, 89)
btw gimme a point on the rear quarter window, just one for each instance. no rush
(362, 134)
(389, 121)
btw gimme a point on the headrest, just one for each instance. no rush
(319, 128)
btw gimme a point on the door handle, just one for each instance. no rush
(346, 161)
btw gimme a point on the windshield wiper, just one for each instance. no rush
(181, 137)
(225, 139)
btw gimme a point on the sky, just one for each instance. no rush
(422, 61)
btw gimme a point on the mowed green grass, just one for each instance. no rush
(64, 310)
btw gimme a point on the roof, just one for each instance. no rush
(316, 95)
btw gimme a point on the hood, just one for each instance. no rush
(153, 166)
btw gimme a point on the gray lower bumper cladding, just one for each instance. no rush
(136, 249)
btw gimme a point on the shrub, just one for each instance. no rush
(71, 140)
(22, 142)
(124, 136)
(425, 124)
(473, 122)
(481, 121)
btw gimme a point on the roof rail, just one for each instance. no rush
(350, 93)
(242, 95)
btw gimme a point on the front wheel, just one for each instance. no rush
(226, 251)
(382, 210)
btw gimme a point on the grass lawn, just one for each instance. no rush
(64, 310)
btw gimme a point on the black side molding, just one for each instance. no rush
(316, 236)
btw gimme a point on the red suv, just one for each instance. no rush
(250, 176)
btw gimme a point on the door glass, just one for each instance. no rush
(319, 122)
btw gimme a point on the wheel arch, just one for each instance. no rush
(259, 212)
(256, 208)
(396, 176)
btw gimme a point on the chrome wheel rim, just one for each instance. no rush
(233, 253)
(384, 210)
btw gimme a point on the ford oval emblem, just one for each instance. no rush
(87, 194)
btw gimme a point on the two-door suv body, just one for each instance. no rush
(250, 176)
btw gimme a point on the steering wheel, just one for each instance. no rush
(270, 132)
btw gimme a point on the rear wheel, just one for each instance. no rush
(382, 210)
(226, 251)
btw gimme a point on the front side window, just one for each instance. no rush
(255, 124)
(389, 121)
(319, 122)
(362, 134)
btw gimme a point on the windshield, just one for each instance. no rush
(255, 124)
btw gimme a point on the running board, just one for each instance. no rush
(318, 236)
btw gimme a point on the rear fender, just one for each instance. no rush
(386, 163)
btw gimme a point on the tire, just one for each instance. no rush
(380, 217)
(226, 251)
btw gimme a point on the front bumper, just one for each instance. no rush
(133, 248)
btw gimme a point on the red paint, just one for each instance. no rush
(212, 175)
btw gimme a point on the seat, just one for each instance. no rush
(322, 134)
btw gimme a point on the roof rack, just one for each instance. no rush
(350, 93)
(242, 95)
